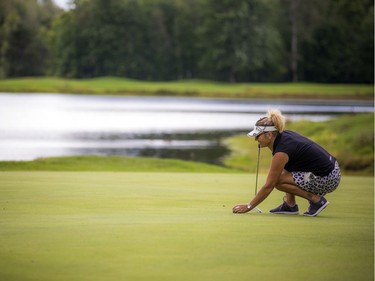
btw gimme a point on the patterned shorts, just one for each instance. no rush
(318, 185)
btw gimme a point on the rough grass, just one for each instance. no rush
(176, 226)
(111, 163)
(200, 88)
(350, 138)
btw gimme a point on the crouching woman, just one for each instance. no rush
(299, 167)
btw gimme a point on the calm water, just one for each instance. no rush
(43, 125)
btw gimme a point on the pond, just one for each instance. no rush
(45, 125)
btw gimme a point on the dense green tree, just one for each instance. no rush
(242, 40)
(186, 38)
(239, 41)
(342, 45)
(173, 38)
(23, 51)
(161, 17)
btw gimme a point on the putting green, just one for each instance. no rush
(176, 226)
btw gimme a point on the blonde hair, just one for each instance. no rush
(273, 118)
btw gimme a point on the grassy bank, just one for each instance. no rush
(113, 164)
(199, 88)
(171, 226)
(350, 138)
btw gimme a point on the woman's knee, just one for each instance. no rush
(286, 178)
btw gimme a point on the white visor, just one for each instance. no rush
(261, 129)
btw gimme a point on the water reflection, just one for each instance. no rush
(43, 125)
(194, 146)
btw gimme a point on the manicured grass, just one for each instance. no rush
(201, 88)
(176, 226)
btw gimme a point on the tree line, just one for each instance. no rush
(329, 41)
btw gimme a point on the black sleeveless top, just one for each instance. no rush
(304, 154)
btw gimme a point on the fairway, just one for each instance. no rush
(176, 226)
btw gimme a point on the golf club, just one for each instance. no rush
(256, 178)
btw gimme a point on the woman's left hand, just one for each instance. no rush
(241, 208)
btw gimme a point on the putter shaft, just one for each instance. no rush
(256, 179)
